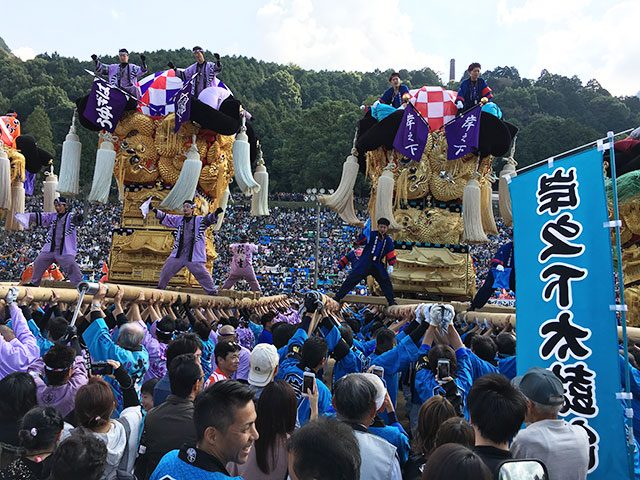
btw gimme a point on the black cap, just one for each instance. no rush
(383, 221)
(541, 386)
(123, 50)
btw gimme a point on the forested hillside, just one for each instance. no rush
(305, 120)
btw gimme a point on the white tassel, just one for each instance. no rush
(349, 214)
(260, 199)
(488, 221)
(70, 164)
(471, 214)
(185, 187)
(384, 199)
(50, 186)
(17, 206)
(242, 162)
(224, 201)
(103, 170)
(504, 197)
(344, 193)
(5, 180)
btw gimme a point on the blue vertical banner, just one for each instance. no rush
(565, 281)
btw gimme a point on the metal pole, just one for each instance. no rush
(315, 271)
(623, 316)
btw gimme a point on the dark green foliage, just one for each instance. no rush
(305, 120)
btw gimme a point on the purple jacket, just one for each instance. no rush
(157, 353)
(22, 351)
(126, 78)
(69, 244)
(198, 251)
(204, 80)
(61, 397)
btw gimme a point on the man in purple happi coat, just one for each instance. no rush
(241, 265)
(206, 71)
(60, 244)
(18, 346)
(123, 75)
(189, 249)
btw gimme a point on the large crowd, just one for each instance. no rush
(158, 388)
(287, 237)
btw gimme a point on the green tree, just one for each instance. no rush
(38, 125)
(283, 89)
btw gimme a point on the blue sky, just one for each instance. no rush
(591, 39)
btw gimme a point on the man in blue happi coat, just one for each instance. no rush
(378, 247)
(503, 264)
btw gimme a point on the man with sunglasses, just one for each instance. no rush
(206, 71)
(60, 243)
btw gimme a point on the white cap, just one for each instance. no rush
(263, 362)
(381, 390)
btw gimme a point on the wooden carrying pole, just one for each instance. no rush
(70, 295)
(499, 319)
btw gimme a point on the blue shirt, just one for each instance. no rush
(395, 437)
(426, 385)
(480, 367)
(507, 366)
(395, 360)
(394, 100)
(265, 337)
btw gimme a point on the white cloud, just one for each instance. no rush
(603, 46)
(24, 53)
(548, 11)
(360, 35)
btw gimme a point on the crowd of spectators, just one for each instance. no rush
(156, 388)
(287, 238)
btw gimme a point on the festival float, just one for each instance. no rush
(438, 198)
(627, 158)
(168, 148)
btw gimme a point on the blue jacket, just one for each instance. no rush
(394, 100)
(102, 348)
(471, 95)
(190, 463)
(291, 373)
(507, 366)
(480, 367)
(504, 256)
(395, 360)
(426, 385)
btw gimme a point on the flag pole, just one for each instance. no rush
(623, 314)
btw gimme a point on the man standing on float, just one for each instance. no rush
(123, 75)
(60, 244)
(379, 246)
(189, 249)
(242, 264)
(206, 71)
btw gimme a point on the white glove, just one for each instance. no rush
(12, 295)
(460, 105)
(500, 268)
(390, 269)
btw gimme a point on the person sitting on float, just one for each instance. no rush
(206, 71)
(393, 95)
(473, 89)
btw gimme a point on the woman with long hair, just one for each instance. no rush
(432, 414)
(40, 430)
(276, 419)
